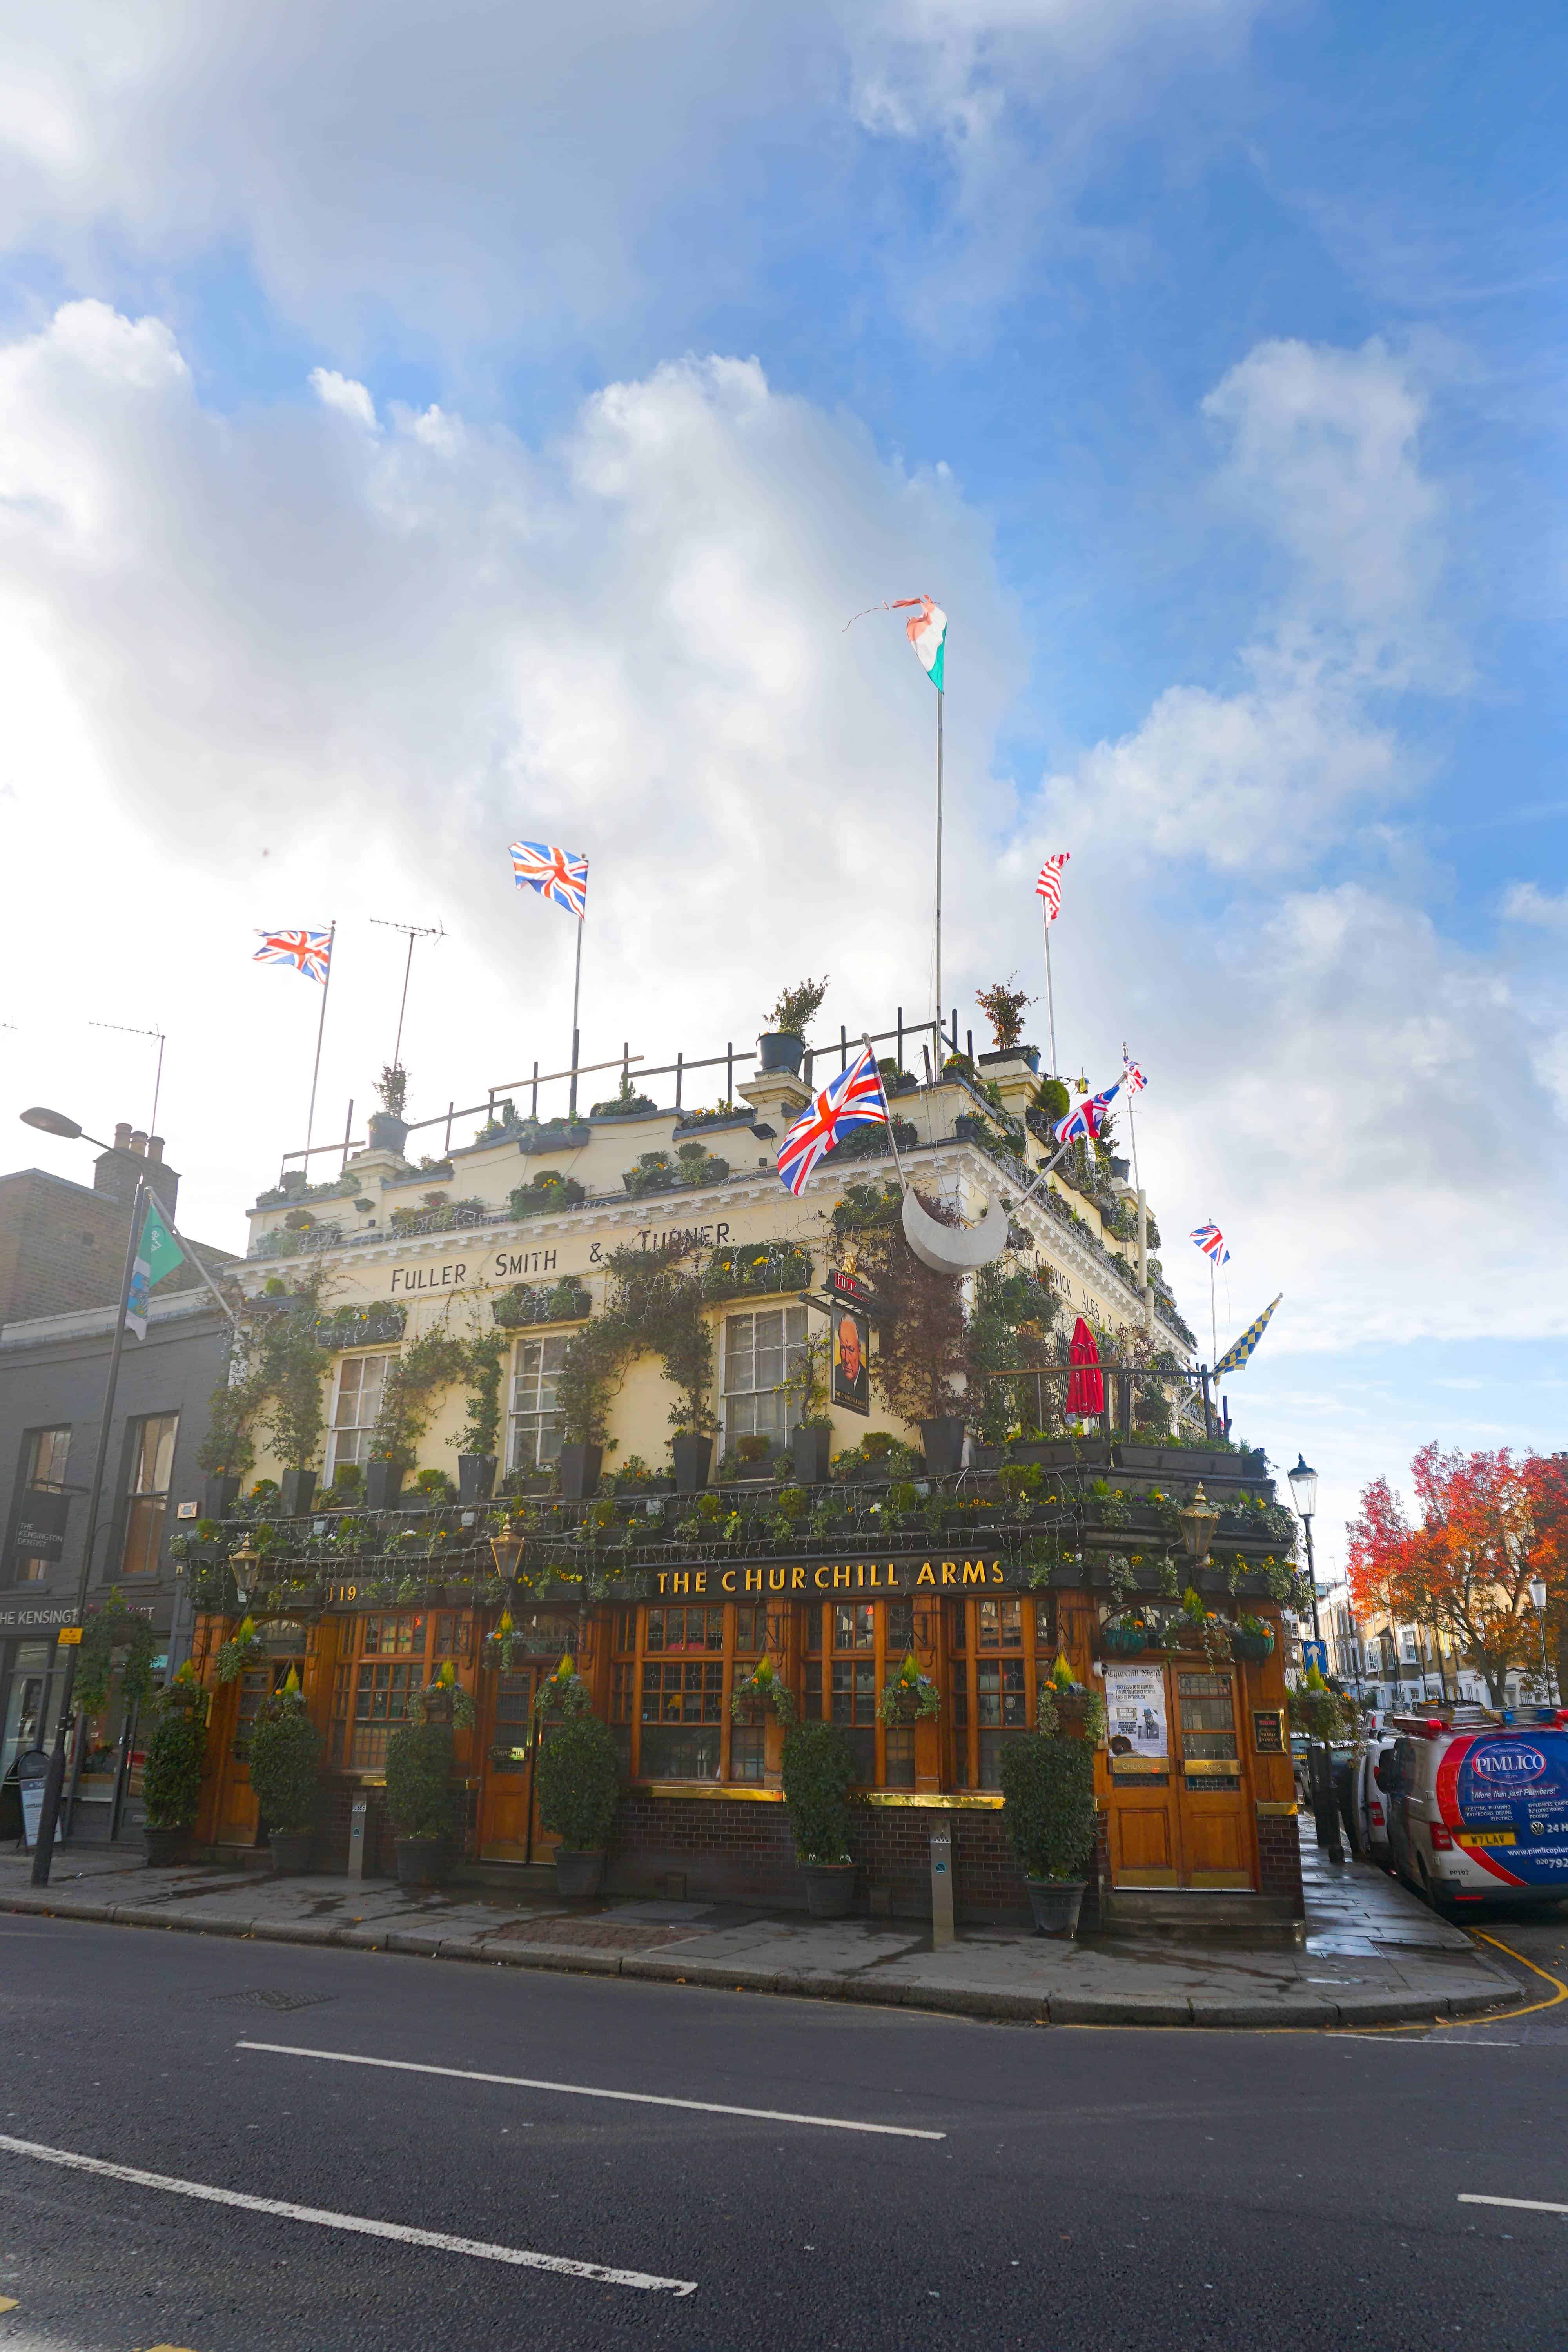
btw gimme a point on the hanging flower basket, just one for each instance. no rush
(1254, 1647)
(762, 1693)
(1124, 1640)
(910, 1697)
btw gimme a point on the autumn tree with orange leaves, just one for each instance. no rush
(1487, 1524)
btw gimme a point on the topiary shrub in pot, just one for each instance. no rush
(419, 1802)
(285, 1751)
(579, 1783)
(1048, 1784)
(172, 1780)
(818, 1774)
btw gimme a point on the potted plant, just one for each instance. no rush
(1048, 1788)
(172, 1779)
(419, 1800)
(579, 1784)
(818, 1773)
(756, 1456)
(220, 1492)
(1003, 1006)
(284, 1750)
(811, 1434)
(383, 1483)
(763, 1691)
(388, 1129)
(909, 1695)
(942, 1441)
(782, 1047)
(1251, 1639)
(1068, 1707)
(299, 1490)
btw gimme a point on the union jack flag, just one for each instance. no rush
(1049, 886)
(309, 953)
(556, 874)
(854, 1098)
(1089, 1117)
(1132, 1077)
(1211, 1241)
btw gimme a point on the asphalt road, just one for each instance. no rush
(1113, 2188)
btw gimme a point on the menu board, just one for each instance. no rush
(1135, 1713)
(1268, 1732)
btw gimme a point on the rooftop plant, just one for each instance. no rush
(624, 1103)
(1002, 1005)
(392, 1087)
(545, 1192)
(796, 1008)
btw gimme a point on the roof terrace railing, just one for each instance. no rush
(730, 1060)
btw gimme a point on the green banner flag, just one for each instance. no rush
(157, 1253)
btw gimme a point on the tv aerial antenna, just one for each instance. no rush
(414, 931)
(126, 1030)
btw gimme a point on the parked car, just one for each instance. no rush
(1368, 1805)
(1478, 1805)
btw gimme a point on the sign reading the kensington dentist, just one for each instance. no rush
(518, 1265)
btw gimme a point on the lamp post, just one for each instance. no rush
(1326, 1812)
(53, 1122)
(1538, 1602)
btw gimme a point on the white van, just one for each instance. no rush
(1478, 1804)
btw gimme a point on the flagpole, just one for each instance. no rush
(577, 990)
(1132, 1121)
(321, 1032)
(1050, 996)
(1214, 1327)
(941, 698)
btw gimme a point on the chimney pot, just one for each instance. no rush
(155, 1146)
(123, 1135)
(139, 1141)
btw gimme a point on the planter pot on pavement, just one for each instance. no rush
(577, 1875)
(811, 1449)
(580, 1466)
(299, 1487)
(386, 1132)
(693, 1457)
(829, 1889)
(383, 1486)
(476, 1477)
(1056, 1903)
(780, 1051)
(941, 1442)
(423, 1861)
(165, 1847)
(290, 1851)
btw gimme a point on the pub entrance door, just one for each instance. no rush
(1179, 1811)
(509, 1827)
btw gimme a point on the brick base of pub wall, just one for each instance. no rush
(740, 1852)
(1279, 1859)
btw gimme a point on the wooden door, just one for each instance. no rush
(239, 1815)
(506, 1801)
(1214, 1813)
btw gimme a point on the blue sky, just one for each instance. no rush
(422, 423)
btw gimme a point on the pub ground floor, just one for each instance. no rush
(1194, 1789)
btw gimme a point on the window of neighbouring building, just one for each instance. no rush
(535, 1428)
(151, 1469)
(355, 1406)
(44, 1456)
(761, 1351)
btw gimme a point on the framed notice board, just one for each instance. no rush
(1268, 1732)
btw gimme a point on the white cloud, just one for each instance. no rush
(1526, 902)
(344, 393)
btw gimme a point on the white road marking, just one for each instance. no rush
(1518, 2204)
(358, 2222)
(587, 2091)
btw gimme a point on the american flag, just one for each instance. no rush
(1132, 1076)
(1049, 886)
(1089, 1117)
(309, 953)
(556, 874)
(854, 1098)
(1211, 1241)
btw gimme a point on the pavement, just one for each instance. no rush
(1372, 1954)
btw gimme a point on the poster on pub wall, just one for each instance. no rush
(1135, 1711)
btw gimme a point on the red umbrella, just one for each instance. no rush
(1086, 1387)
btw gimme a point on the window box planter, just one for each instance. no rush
(779, 1051)
(580, 1466)
(693, 1459)
(811, 1449)
(692, 1130)
(578, 1876)
(942, 1441)
(1028, 1055)
(290, 1852)
(476, 1477)
(829, 1889)
(423, 1861)
(1056, 1903)
(1063, 1452)
(298, 1488)
(383, 1486)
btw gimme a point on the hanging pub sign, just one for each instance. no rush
(40, 1530)
(851, 1371)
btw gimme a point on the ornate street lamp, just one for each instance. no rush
(1538, 1602)
(245, 1563)
(1197, 1524)
(1304, 1487)
(507, 1547)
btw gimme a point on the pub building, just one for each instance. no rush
(984, 1541)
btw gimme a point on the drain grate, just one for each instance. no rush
(278, 2001)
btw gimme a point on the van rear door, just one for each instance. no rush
(1504, 1797)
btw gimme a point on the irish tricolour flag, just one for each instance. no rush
(928, 633)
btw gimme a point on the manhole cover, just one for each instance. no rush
(279, 2001)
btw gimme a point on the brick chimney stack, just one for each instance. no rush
(135, 1153)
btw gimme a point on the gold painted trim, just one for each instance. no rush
(938, 1802)
(1210, 1768)
(1276, 1809)
(1127, 1768)
(709, 1789)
